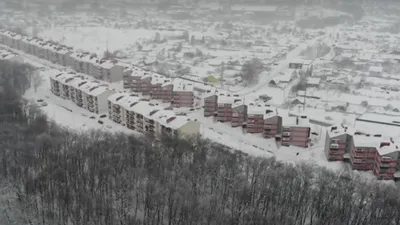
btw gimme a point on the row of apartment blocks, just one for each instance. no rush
(176, 92)
(89, 94)
(122, 108)
(7, 55)
(81, 62)
(149, 118)
(138, 80)
(363, 151)
(257, 119)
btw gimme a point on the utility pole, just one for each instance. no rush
(305, 96)
(107, 44)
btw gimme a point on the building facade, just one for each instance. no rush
(296, 131)
(338, 142)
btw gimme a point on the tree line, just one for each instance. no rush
(61, 176)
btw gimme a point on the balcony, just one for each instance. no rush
(334, 147)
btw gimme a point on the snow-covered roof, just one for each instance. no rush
(339, 129)
(284, 77)
(138, 72)
(227, 99)
(160, 80)
(362, 140)
(256, 110)
(238, 102)
(114, 98)
(94, 88)
(249, 8)
(377, 69)
(387, 149)
(183, 87)
(126, 100)
(175, 122)
(380, 119)
(313, 80)
(295, 121)
(5, 54)
(144, 108)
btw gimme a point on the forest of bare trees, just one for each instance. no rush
(93, 178)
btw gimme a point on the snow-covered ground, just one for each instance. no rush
(276, 47)
(68, 114)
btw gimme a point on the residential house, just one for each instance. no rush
(313, 81)
(295, 65)
(283, 79)
(375, 71)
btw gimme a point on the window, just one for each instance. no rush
(335, 141)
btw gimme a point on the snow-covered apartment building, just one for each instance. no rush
(365, 152)
(264, 120)
(102, 69)
(106, 70)
(10, 56)
(178, 93)
(296, 131)
(148, 117)
(258, 119)
(225, 108)
(88, 94)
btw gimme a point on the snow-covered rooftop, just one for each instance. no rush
(227, 99)
(183, 87)
(377, 69)
(387, 149)
(256, 110)
(313, 80)
(94, 88)
(295, 121)
(339, 129)
(144, 108)
(380, 119)
(362, 140)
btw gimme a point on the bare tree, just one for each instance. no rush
(250, 71)
(60, 176)
(36, 80)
